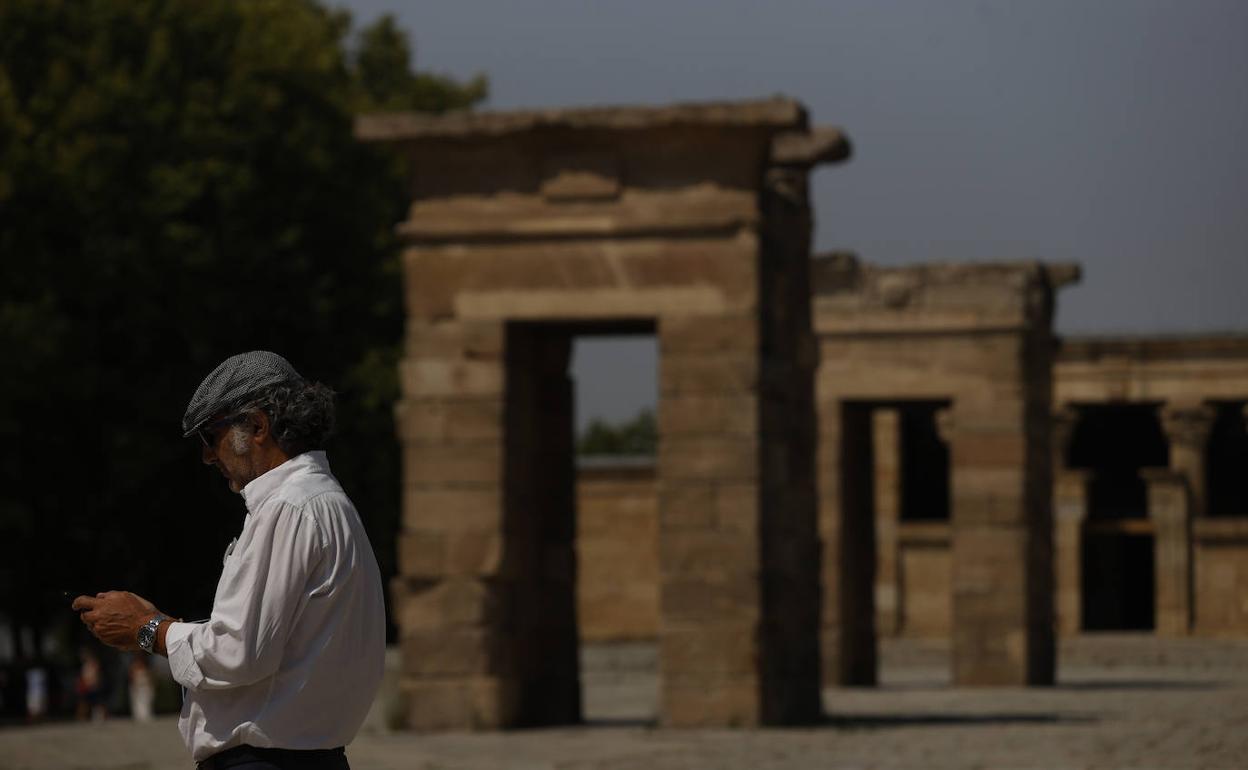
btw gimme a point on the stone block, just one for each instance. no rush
(448, 603)
(460, 703)
(989, 507)
(927, 609)
(689, 554)
(726, 459)
(424, 338)
(625, 511)
(454, 652)
(680, 335)
(989, 561)
(613, 566)
(452, 464)
(476, 508)
(722, 598)
(470, 553)
(428, 377)
(725, 264)
(422, 554)
(412, 603)
(732, 414)
(710, 701)
(738, 508)
(711, 373)
(990, 450)
(723, 649)
(685, 506)
(449, 421)
(438, 704)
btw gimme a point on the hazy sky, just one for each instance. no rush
(1110, 133)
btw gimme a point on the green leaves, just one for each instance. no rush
(178, 183)
(638, 436)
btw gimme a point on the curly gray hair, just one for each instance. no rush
(301, 414)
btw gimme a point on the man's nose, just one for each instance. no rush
(207, 455)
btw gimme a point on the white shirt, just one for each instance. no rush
(292, 656)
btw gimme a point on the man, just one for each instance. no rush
(283, 673)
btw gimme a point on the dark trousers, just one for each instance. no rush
(251, 758)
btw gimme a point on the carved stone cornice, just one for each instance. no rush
(1187, 425)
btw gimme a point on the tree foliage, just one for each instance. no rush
(637, 436)
(178, 183)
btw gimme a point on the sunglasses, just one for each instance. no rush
(208, 433)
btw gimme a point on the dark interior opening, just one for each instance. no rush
(1117, 582)
(858, 656)
(1115, 441)
(1227, 466)
(924, 465)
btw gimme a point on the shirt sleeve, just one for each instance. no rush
(262, 591)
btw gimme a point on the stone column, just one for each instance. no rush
(738, 640)
(1187, 426)
(1070, 508)
(886, 445)
(830, 487)
(1064, 421)
(998, 461)
(1169, 500)
(451, 597)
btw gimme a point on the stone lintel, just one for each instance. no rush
(856, 299)
(774, 114)
(1230, 529)
(471, 227)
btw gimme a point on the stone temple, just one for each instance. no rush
(846, 451)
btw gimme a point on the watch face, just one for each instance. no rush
(146, 637)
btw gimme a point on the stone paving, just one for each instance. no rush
(1121, 702)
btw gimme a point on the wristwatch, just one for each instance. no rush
(147, 634)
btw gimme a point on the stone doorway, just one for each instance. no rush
(540, 517)
(1113, 444)
(691, 222)
(895, 500)
(543, 517)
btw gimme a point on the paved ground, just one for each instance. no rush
(1122, 702)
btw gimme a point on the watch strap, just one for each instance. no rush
(147, 634)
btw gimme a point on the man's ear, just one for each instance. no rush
(260, 427)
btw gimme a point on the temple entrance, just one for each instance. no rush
(1115, 442)
(540, 517)
(617, 545)
(1118, 582)
(1228, 459)
(895, 558)
(524, 230)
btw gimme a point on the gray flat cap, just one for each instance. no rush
(230, 384)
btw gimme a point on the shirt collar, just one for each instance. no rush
(259, 489)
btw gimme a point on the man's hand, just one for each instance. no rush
(115, 617)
